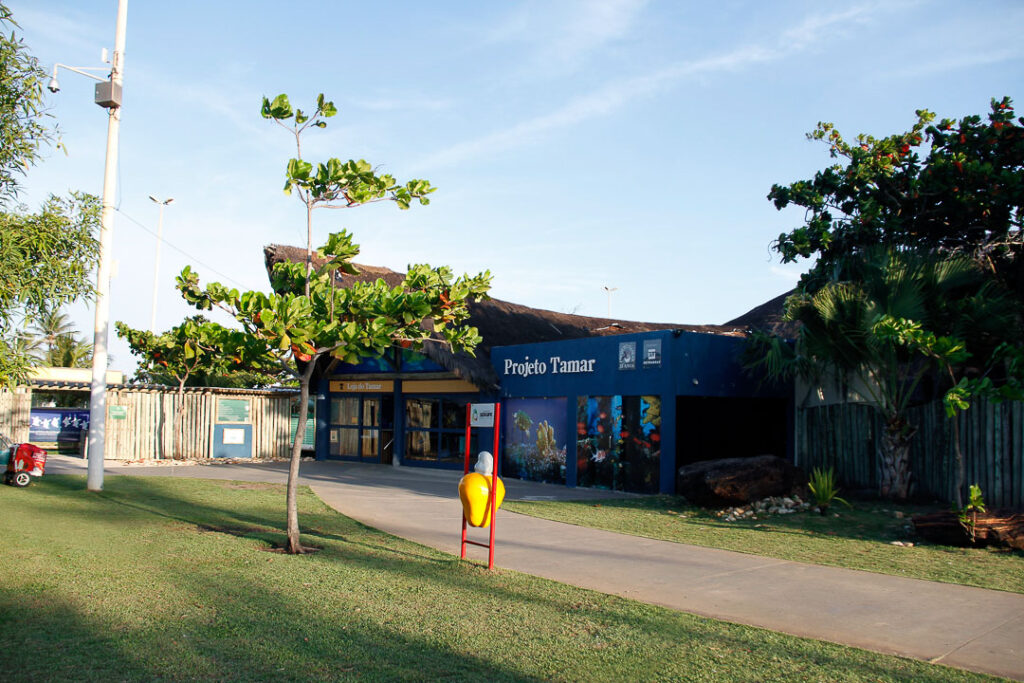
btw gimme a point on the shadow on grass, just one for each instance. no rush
(240, 632)
(862, 522)
(173, 499)
(377, 607)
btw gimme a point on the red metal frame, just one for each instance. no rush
(492, 498)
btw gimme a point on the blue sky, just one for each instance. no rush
(575, 145)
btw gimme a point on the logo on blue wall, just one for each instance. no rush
(652, 353)
(627, 355)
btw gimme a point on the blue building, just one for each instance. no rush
(625, 412)
(585, 401)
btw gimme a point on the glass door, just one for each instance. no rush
(362, 428)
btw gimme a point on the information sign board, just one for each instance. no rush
(233, 410)
(481, 415)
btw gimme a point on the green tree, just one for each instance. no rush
(837, 337)
(334, 184)
(190, 355)
(22, 108)
(952, 187)
(50, 325)
(892, 298)
(69, 351)
(193, 347)
(58, 342)
(308, 324)
(302, 332)
(46, 257)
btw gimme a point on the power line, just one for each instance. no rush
(182, 251)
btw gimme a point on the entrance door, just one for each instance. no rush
(362, 428)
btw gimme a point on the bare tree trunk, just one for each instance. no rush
(293, 545)
(309, 244)
(894, 456)
(179, 412)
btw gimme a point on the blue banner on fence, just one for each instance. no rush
(53, 425)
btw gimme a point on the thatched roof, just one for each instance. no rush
(767, 317)
(502, 323)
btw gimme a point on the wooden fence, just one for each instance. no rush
(847, 437)
(147, 429)
(15, 408)
(140, 422)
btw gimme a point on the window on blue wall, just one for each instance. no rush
(535, 439)
(618, 442)
(435, 430)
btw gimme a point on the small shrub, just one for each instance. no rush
(968, 516)
(824, 489)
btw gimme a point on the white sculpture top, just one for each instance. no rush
(484, 464)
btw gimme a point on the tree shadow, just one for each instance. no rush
(237, 621)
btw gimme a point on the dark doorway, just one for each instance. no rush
(712, 428)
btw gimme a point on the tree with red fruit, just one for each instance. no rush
(196, 346)
(919, 271)
(948, 187)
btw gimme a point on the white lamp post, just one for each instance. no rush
(108, 95)
(156, 263)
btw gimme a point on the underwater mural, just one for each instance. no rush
(618, 442)
(535, 439)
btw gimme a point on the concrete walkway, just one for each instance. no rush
(970, 628)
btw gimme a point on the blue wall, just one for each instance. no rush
(690, 364)
(685, 364)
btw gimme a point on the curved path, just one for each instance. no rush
(971, 628)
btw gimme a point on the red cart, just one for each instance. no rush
(21, 461)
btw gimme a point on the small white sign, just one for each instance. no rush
(234, 436)
(481, 415)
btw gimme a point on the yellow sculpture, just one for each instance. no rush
(475, 491)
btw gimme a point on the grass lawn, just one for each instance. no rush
(167, 579)
(859, 538)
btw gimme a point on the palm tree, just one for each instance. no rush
(845, 329)
(50, 325)
(68, 351)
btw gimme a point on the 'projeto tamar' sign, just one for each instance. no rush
(481, 415)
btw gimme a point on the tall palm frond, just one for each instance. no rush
(69, 352)
(50, 325)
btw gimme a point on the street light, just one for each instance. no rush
(156, 264)
(108, 96)
(54, 87)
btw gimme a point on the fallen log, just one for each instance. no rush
(737, 481)
(1000, 528)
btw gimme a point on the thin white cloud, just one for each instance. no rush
(592, 26)
(564, 35)
(948, 63)
(386, 103)
(76, 30)
(599, 102)
(809, 31)
(814, 30)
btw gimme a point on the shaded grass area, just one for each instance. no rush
(164, 579)
(859, 538)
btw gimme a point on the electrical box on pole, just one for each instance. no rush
(108, 94)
